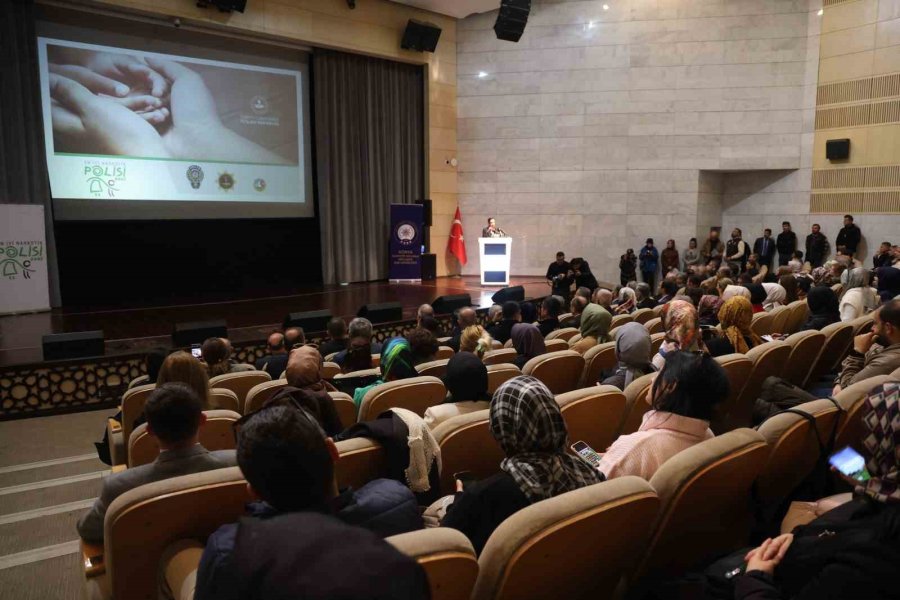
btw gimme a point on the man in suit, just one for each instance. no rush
(465, 317)
(337, 337)
(764, 249)
(174, 417)
(276, 362)
(512, 314)
(492, 231)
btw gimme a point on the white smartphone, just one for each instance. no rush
(851, 463)
(195, 351)
(587, 453)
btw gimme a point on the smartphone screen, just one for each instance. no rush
(851, 463)
(195, 351)
(587, 453)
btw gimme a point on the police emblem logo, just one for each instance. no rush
(195, 176)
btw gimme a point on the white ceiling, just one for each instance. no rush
(454, 8)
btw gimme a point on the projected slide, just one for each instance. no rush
(128, 125)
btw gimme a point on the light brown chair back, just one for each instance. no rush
(499, 374)
(636, 403)
(376, 360)
(768, 360)
(434, 368)
(415, 394)
(496, 345)
(728, 415)
(656, 340)
(762, 323)
(658, 310)
(837, 288)
(805, 346)
(139, 380)
(530, 555)
(447, 557)
(467, 445)
(564, 333)
(345, 407)
(593, 414)
(642, 315)
(133, 407)
(794, 448)
(508, 343)
(141, 523)
(574, 339)
(655, 325)
(330, 369)
(222, 399)
(560, 371)
(799, 313)
(216, 434)
(863, 324)
(330, 357)
(563, 316)
(259, 394)
(240, 383)
(556, 345)
(444, 352)
(360, 460)
(601, 357)
(780, 317)
(373, 372)
(619, 320)
(712, 478)
(838, 339)
(852, 430)
(496, 357)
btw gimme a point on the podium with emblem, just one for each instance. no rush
(494, 254)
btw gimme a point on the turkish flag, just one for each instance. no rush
(456, 245)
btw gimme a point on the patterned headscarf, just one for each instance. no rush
(881, 417)
(528, 425)
(735, 317)
(708, 309)
(595, 322)
(682, 326)
(527, 340)
(397, 360)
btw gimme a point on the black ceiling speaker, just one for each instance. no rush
(420, 36)
(511, 19)
(837, 149)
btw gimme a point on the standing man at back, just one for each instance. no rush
(764, 249)
(786, 244)
(712, 247)
(816, 247)
(558, 277)
(848, 237)
(736, 250)
(649, 259)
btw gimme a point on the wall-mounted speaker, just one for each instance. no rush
(419, 36)
(511, 19)
(384, 312)
(310, 321)
(196, 332)
(514, 293)
(837, 149)
(445, 305)
(79, 344)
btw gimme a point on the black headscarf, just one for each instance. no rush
(757, 293)
(466, 378)
(823, 308)
(888, 283)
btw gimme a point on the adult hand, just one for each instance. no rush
(769, 554)
(863, 342)
(459, 485)
(107, 72)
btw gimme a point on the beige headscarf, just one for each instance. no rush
(304, 370)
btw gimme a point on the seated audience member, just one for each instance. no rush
(174, 416)
(731, 291)
(643, 297)
(804, 285)
(467, 384)
(423, 345)
(595, 323)
(475, 340)
(495, 315)
(857, 298)
(776, 296)
(796, 262)
(694, 281)
(289, 466)
(512, 314)
(216, 353)
(396, 363)
(682, 331)
(584, 293)
(577, 307)
(528, 425)
(294, 337)
(694, 294)
(465, 317)
(153, 362)
(360, 334)
(603, 297)
(626, 303)
(883, 257)
(888, 283)
(306, 389)
(425, 310)
(789, 283)
(530, 312)
(668, 289)
(549, 320)
(337, 337)
(275, 363)
(735, 317)
(708, 310)
(182, 367)
(757, 297)
(528, 342)
(682, 399)
(745, 279)
(851, 551)
(632, 353)
(431, 324)
(823, 309)
(876, 352)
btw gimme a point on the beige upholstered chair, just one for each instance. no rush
(345, 407)
(564, 333)
(851, 430)
(837, 288)
(762, 323)
(444, 352)
(574, 339)
(496, 345)
(600, 358)
(656, 340)
(713, 477)
(863, 324)
(556, 345)
(216, 434)
(619, 320)
(593, 414)
(655, 325)
(373, 372)
(637, 395)
(642, 315)
(805, 346)
(562, 317)
(119, 432)
(330, 357)
(434, 368)
(508, 343)
(447, 557)
(178, 567)
(240, 383)
(658, 310)
(496, 357)
(499, 374)
(222, 399)
(260, 393)
(560, 371)
(802, 513)
(728, 415)
(799, 313)
(360, 460)
(415, 394)
(139, 380)
(768, 360)
(780, 317)
(467, 445)
(330, 369)
(575, 545)
(838, 340)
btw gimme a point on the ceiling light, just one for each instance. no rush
(606, 7)
(591, 25)
(482, 74)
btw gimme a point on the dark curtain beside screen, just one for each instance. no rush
(370, 153)
(23, 166)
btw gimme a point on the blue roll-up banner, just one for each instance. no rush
(407, 229)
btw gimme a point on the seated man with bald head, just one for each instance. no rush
(426, 310)
(577, 306)
(604, 297)
(465, 318)
(276, 362)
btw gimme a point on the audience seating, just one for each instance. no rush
(658, 310)
(728, 415)
(444, 352)
(330, 357)
(851, 429)
(467, 444)
(373, 372)
(619, 320)
(447, 557)
(496, 357)
(593, 414)
(496, 345)
(705, 510)
(556, 345)
(376, 360)
(329, 370)
(780, 317)
(435, 368)
(360, 460)
(799, 312)
(656, 341)
(139, 380)
(575, 545)
(119, 432)
(345, 407)
(564, 333)
(762, 323)
(415, 394)
(216, 434)
(837, 289)
(508, 344)
(574, 339)
(838, 340)
(805, 346)
(863, 324)
(240, 383)
(655, 325)
(222, 399)
(802, 513)
(637, 394)
(499, 374)
(259, 394)
(642, 315)
(598, 359)
(178, 568)
(560, 371)
(768, 360)
(562, 317)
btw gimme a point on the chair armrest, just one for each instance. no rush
(118, 468)
(179, 564)
(92, 559)
(113, 426)
(116, 441)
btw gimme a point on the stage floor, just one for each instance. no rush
(133, 329)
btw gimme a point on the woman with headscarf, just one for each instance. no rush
(775, 296)
(823, 308)
(888, 283)
(307, 390)
(528, 342)
(852, 550)
(708, 310)
(735, 317)
(858, 298)
(466, 381)
(682, 331)
(595, 322)
(731, 291)
(789, 283)
(396, 363)
(528, 425)
(757, 297)
(632, 353)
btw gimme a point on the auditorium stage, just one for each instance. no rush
(132, 329)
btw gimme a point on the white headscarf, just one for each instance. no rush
(735, 290)
(775, 295)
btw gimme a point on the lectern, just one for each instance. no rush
(495, 260)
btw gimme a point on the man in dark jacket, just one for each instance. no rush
(549, 321)
(560, 276)
(289, 466)
(816, 246)
(337, 337)
(786, 244)
(764, 249)
(848, 237)
(512, 314)
(276, 362)
(465, 317)
(649, 259)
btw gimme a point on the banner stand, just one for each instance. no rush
(407, 229)
(24, 286)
